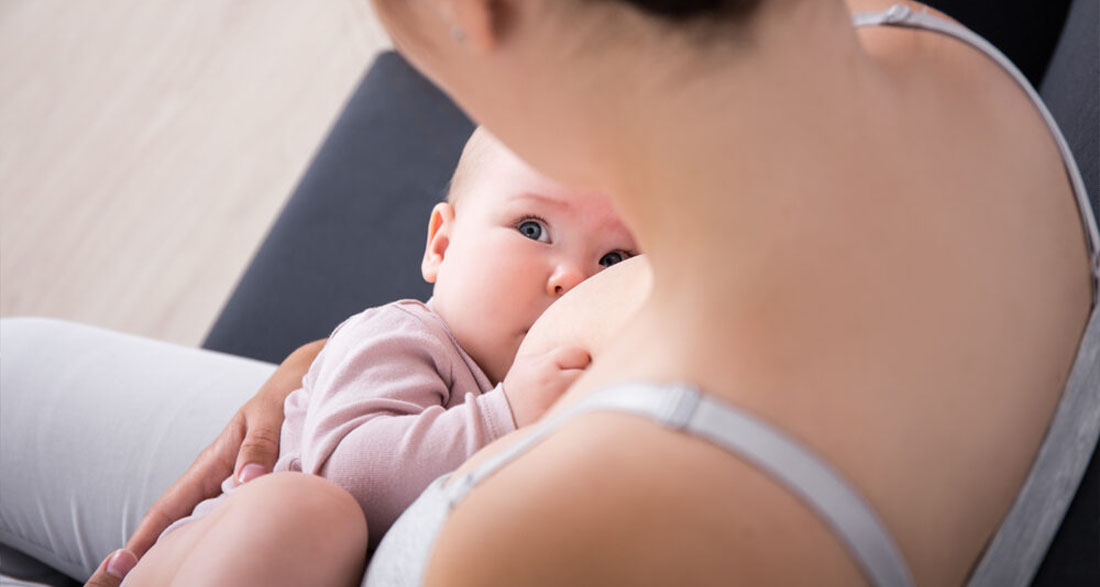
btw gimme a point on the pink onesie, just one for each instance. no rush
(391, 403)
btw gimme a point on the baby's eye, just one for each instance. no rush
(534, 230)
(613, 257)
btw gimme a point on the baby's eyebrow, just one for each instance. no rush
(541, 199)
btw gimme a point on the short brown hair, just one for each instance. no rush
(474, 156)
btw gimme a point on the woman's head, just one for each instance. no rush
(679, 10)
(547, 76)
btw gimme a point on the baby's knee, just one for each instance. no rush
(280, 529)
(307, 505)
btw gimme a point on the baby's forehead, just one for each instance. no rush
(555, 199)
(489, 171)
(510, 181)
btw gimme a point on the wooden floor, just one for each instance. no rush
(146, 146)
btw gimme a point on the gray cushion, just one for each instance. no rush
(1071, 90)
(352, 234)
(1024, 30)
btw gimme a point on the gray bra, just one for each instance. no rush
(1011, 557)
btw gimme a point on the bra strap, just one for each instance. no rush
(1025, 534)
(682, 407)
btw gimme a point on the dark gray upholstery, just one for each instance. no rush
(1071, 89)
(18, 565)
(1024, 30)
(352, 234)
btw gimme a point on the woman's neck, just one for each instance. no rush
(718, 173)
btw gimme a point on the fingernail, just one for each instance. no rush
(250, 472)
(121, 563)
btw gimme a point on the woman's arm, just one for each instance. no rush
(248, 447)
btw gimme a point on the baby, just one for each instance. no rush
(405, 392)
(408, 391)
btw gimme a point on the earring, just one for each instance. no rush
(458, 34)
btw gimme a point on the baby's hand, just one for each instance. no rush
(536, 380)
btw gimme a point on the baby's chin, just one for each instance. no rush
(521, 340)
(497, 367)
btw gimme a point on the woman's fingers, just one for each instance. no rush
(260, 446)
(112, 569)
(263, 414)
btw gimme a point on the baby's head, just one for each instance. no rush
(506, 244)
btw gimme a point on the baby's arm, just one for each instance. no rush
(376, 422)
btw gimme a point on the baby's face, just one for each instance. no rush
(517, 243)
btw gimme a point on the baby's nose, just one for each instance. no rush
(565, 277)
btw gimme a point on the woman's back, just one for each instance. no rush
(906, 302)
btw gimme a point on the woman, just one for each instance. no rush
(864, 239)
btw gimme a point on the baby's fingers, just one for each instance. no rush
(571, 358)
(566, 377)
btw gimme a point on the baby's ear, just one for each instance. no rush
(439, 236)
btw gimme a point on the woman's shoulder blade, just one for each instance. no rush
(616, 499)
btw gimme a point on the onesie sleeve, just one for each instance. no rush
(376, 422)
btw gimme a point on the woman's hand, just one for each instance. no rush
(247, 448)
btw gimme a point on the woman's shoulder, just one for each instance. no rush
(616, 499)
(870, 6)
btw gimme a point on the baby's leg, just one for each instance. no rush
(281, 529)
